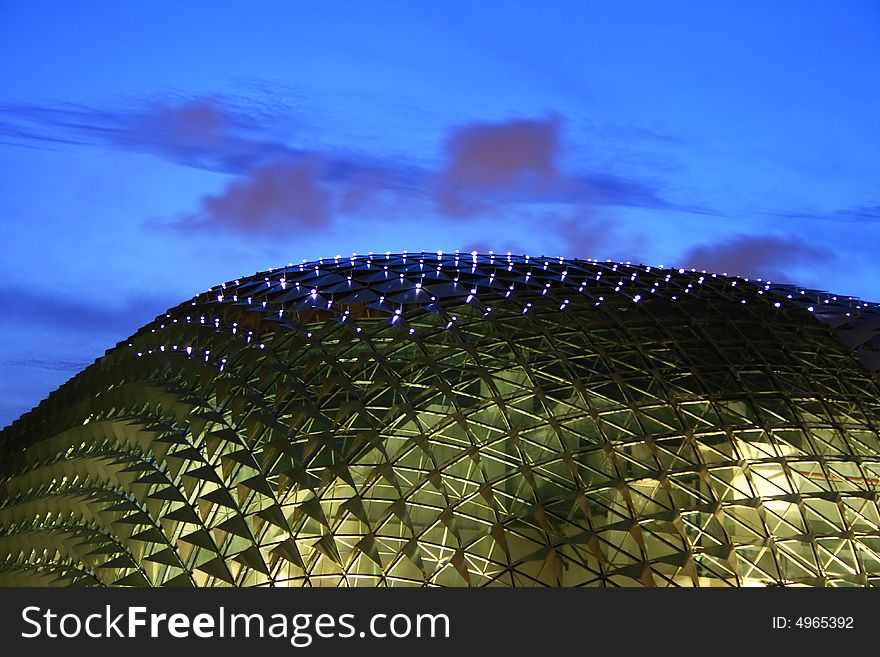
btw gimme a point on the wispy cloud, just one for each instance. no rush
(206, 132)
(865, 214)
(62, 308)
(50, 333)
(58, 365)
(765, 256)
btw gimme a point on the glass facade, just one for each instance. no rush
(461, 420)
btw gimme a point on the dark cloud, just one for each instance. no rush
(68, 311)
(861, 213)
(517, 161)
(498, 167)
(209, 132)
(57, 365)
(764, 256)
(584, 234)
(480, 247)
(366, 188)
(605, 189)
(56, 331)
(857, 214)
(490, 168)
(284, 193)
(305, 193)
(492, 161)
(497, 155)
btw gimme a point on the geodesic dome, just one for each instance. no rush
(461, 420)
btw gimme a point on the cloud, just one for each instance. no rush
(208, 133)
(56, 365)
(488, 168)
(869, 213)
(51, 332)
(65, 310)
(585, 234)
(205, 132)
(491, 161)
(630, 132)
(305, 192)
(284, 193)
(768, 257)
(496, 155)
(858, 214)
(517, 161)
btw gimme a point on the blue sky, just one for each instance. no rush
(149, 150)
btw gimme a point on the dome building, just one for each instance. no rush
(461, 420)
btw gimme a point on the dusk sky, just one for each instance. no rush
(150, 150)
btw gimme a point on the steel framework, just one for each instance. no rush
(461, 420)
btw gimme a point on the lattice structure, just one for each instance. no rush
(452, 420)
